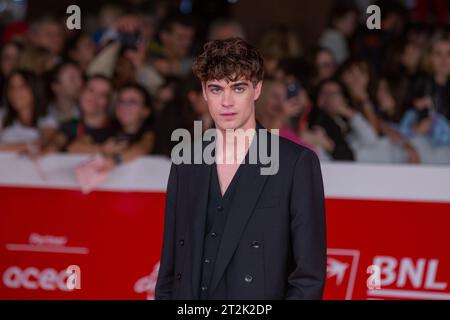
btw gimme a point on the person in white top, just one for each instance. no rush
(343, 23)
(66, 82)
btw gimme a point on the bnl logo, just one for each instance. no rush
(386, 277)
(342, 268)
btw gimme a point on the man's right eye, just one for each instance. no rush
(215, 90)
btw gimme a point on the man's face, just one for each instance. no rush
(440, 58)
(50, 36)
(330, 98)
(130, 108)
(232, 103)
(95, 97)
(9, 59)
(179, 40)
(70, 82)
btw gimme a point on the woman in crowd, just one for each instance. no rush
(403, 59)
(65, 82)
(9, 61)
(134, 135)
(276, 45)
(426, 123)
(342, 25)
(390, 99)
(355, 75)
(428, 130)
(345, 126)
(24, 125)
(324, 66)
(275, 109)
(88, 133)
(187, 105)
(436, 79)
(37, 60)
(81, 49)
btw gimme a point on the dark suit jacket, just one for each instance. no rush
(284, 213)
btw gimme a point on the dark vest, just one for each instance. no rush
(218, 207)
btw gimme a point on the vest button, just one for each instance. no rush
(256, 244)
(248, 278)
(181, 242)
(206, 260)
(204, 288)
(179, 276)
(214, 234)
(219, 208)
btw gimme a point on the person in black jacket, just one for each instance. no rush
(232, 231)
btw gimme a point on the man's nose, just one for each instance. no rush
(227, 98)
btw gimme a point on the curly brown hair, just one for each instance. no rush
(231, 59)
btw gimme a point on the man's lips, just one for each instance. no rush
(228, 114)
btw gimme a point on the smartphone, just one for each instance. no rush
(129, 40)
(423, 114)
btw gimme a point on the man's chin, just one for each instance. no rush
(227, 125)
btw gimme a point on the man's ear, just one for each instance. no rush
(258, 88)
(204, 90)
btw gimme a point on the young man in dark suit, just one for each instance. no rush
(233, 231)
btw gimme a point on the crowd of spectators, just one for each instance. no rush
(364, 95)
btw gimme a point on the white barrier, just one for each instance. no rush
(341, 180)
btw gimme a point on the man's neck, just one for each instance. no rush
(95, 120)
(232, 144)
(441, 79)
(64, 106)
(132, 128)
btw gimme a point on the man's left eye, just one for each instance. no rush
(239, 89)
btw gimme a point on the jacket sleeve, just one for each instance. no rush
(164, 283)
(308, 230)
